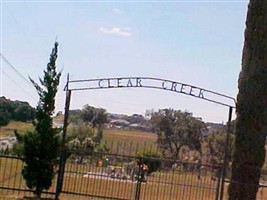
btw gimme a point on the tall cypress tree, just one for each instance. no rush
(251, 124)
(41, 146)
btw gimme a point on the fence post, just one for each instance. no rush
(138, 190)
(218, 185)
(139, 181)
(225, 159)
(63, 148)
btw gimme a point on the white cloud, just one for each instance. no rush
(118, 11)
(116, 31)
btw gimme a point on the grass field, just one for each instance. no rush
(161, 185)
(126, 142)
(12, 126)
(116, 139)
(129, 136)
(114, 135)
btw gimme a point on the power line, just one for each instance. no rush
(18, 85)
(16, 71)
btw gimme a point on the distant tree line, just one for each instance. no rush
(76, 116)
(15, 110)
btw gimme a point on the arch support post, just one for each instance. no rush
(62, 163)
(226, 154)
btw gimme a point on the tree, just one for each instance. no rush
(16, 110)
(22, 111)
(251, 126)
(216, 146)
(151, 158)
(4, 120)
(80, 140)
(40, 147)
(177, 129)
(96, 117)
(4, 111)
(75, 116)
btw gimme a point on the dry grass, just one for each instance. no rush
(10, 177)
(114, 138)
(129, 136)
(128, 142)
(12, 126)
(160, 186)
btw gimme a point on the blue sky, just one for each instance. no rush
(195, 42)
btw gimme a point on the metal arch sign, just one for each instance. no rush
(156, 83)
(145, 82)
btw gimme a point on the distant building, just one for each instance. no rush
(119, 123)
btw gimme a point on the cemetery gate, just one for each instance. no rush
(120, 177)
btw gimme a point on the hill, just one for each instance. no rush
(8, 131)
(15, 110)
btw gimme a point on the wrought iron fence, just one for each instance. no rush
(119, 169)
(262, 187)
(11, 180)
(117, 174)
(122, 177)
